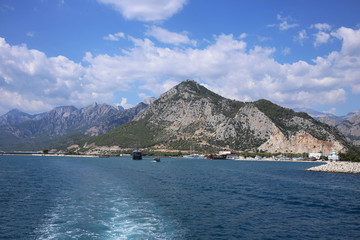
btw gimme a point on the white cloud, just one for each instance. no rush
(243, 35)
(143, 96)
(35, 81)
(321, 38)
(351, 40)
(124, 103)
(233, 71)
(286, 51)
(146, 10)
(225, 65)
(166, 36)
(356, 89)
(302, 35)
(321, 26)
(323, 35)
(115, 36)
(284, 24)
(331, 111)
(30, 34)
(10, 100)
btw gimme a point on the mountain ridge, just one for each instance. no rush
(348, 125)
(189, 114)
(42, 131)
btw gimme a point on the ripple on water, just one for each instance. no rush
(109, 212)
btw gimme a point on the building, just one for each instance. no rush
(315, 155)
(333, 157)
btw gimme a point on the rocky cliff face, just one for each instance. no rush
(112, 121)
(348, 125)
(189, 114)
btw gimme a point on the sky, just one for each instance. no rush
(298, 54)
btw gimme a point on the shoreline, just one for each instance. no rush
(338, 167)
(48, 155)
(330, 167)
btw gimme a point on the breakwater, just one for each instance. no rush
(338, 167)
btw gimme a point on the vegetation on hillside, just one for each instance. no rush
(352, 155)
(281, 116)
(130, 135)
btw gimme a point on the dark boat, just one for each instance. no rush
(157, 159)
(137, 155)
(216, 157)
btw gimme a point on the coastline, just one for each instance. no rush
(48, 155)
(338, 167)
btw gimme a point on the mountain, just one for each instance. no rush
(349, 126)
(16, 116)
(149, 100)
(65, 124)
(189, 115)
(316, 114)
(114, 120)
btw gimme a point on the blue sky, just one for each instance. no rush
(296, 53)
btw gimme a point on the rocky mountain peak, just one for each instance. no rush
(188, 90)
(193, 113)
(14, 116)
(63, 110)
(149, 100)
(16, 112)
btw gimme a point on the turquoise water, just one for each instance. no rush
(118, 198)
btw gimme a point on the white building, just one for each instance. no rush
(224, 152)
(315, 155)
(333, 157)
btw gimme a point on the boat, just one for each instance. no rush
(196, 156)
(216, 157)
(157, 159)
(137, 155)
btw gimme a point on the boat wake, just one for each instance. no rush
(111, 217)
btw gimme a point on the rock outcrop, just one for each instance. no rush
(190, 115)
(348, 125)
(338, 167)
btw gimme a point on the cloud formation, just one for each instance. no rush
(146, 10)
(168, 37)
(115, 36)
(323, 34)
(284, 23)
(302, 35)
(226, 65)
(31, 80)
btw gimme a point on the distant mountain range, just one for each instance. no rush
(22, 131)
(189, 115)
(16, 116)
(349, 124)
(317, 115)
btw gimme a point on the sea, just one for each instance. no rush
(119, 198)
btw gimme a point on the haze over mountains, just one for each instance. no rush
(22, 131)
(188, 115)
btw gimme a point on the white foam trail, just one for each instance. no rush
(132, 217)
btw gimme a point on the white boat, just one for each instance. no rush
(196, 156)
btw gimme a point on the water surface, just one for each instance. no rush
(118, 198)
